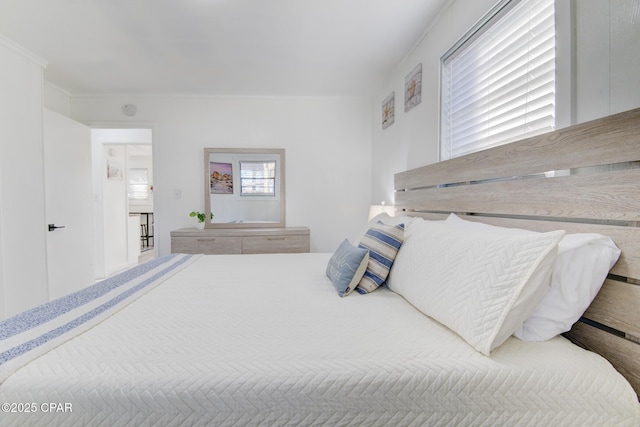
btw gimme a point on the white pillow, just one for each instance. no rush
(480, 285)
(580, 269)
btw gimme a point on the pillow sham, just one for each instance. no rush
(384, 218)
(346, 267)
(480, 285)
(383, 242)
(580, 269)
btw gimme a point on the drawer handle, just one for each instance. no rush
(275, 238)
(206, 240)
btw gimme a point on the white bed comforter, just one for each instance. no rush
(265, 339)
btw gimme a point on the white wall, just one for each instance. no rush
(412, 140)
(116, 209)
(605, 78)
(327, 142)
(607, 57)
(57, 99)
(23, 271)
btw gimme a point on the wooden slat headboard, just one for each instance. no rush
(594, 187)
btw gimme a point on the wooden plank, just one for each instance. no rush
(612, 139)
(623, 354)
(616, 306)
(613, 195)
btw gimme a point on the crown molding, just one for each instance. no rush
(15, 47)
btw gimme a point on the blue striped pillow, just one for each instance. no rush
(383, 242)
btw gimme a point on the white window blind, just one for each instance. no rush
(498, 82)
(138, 184)
(258, 178)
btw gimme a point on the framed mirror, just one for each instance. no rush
(244, 187)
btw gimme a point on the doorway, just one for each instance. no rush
(139, 180)
(123, 197)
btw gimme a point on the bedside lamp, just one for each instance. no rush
(378, 209)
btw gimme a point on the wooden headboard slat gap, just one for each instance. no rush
(614, 307)
(612, 195)
(632, 338)
(481, 216)
(600, 168)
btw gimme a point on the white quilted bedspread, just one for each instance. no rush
(248, 340)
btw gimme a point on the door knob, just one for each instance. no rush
(52, 227)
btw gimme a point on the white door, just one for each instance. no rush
(69, 204)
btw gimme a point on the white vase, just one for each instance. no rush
(200, 225)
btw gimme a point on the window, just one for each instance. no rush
(138, 184)
(498, 82)
(258, 178)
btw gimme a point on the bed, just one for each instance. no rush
(268, 340)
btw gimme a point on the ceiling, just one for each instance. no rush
(221, 47)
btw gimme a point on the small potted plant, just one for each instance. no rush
(201, 216)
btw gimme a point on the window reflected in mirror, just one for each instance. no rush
(258, 178)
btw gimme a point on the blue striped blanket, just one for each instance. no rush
(34, 332)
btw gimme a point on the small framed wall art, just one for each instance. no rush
(220, 178)
(388, 111)
(114, 170)
(413, 88)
